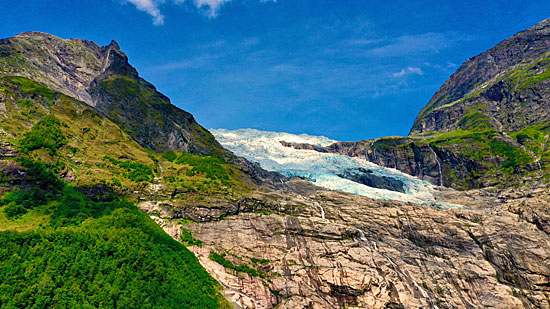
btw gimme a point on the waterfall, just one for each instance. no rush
(438, 166)
(322, 210)
(361, 235)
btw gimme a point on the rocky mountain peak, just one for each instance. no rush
(114, 45)
(37, 34)
(543, 26)
(102, 77)
(502, 72)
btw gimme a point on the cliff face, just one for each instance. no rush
(103, 78)
(321, 249)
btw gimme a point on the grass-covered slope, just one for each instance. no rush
(70, 233)
(486, 157)
(59, 248)
(463, 158)
(89, 149)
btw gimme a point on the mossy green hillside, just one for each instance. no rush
(102, 76)
(68, 250)
(75, 138)
(200, 179)
(69, 133)
(500, 158)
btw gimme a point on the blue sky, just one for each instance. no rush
(345, 69)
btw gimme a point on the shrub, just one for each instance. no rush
(187, 238)
(135, 171)
(210, 166)
(20, 201)
(73, 207)
(46, 133)
(41, 175)
(170, 155)
(220, 259)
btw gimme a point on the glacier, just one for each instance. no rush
(264, 147)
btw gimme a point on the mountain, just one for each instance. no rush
(102, 78)
(75, 162)
(504, 88)
(486, 126)
(112, 197)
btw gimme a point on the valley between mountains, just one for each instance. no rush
(114, 197)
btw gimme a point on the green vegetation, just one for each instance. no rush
(27, 87)
(41, 174)
(390, 142)
(259, 261)
(515, 157)
(474, 121)
(220, 259)
(18, 202)
(209, 166)
(531, 73)
(481, 146)
(187, 238)
(119, 260)
(134, 171)
(124, 87)
(95, 254)
(45, 134)
(10, 59)
(534, 138)
(46, 188)
(170, 155)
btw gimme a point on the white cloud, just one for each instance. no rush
(152, 7)
(211, 7)
(408, 71)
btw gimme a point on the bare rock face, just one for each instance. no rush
(382, 254)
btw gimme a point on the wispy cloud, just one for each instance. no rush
(449, 66)
(210, 8)
(408, 71)
(417, 43)
(150, 7)
(202, 62)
